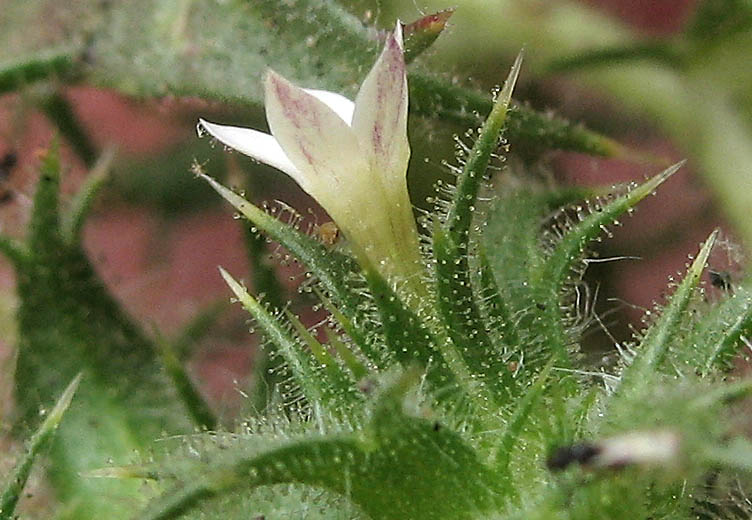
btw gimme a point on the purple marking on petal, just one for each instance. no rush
(295, 111)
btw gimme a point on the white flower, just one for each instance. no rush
(351, 157)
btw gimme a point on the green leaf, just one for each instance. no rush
(68, 323)
(189, 394)
(397, 466)
(658, 51)
(221, 51)
(266, 370)
(59, 111)
(718, 20)
(326, 389)
(719, 336)
(592, 222)
(24, 70)
(456, 299)
(511, 242)
(408, 340)
(173, 355)
(461, 208)
(74, 219)
(518, 421)
(335, 375)
(432, 96)
(13, 250)
(331, 269)
(456, 303)
(354, 365)
(568, 251)
(18, 477)
(493, 305)
(658, 338)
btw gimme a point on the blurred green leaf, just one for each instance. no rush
(24, 70)
(221, 51)
(18, 477)
(717, 20)
(68, 323)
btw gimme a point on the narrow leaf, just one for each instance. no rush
(518, 421)
(460, 212)
(13, 250)
(22, 71)
(451, 244)
(335, 377)
(433, 97)
(196, 329)
(330, 269)
(494, 306)
(190, 395)
(59, 111)
(318, 389)
(657, 340)
(571, 247)
(511, 242)
(44, 225)
(657, 51)
(567, 254)
(40, 439)
(357, 369)
(456, 303)
(73, 221)
(408, 340)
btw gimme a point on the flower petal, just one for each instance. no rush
(380, 118)
(317, 141)
(342, 106)
(262, 147)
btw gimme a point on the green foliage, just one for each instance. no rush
(467, 397)
(68, 323)
(17, 479)
(221, 50)
(499, 381)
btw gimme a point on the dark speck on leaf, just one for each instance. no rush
(720, 279)
(578, 453)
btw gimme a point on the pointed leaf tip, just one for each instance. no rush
(668, 172)
(17, 479)
(506, 92)
(235, 286)
(459, 214)
(651, 184)
(656, 341)
(64, 402)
